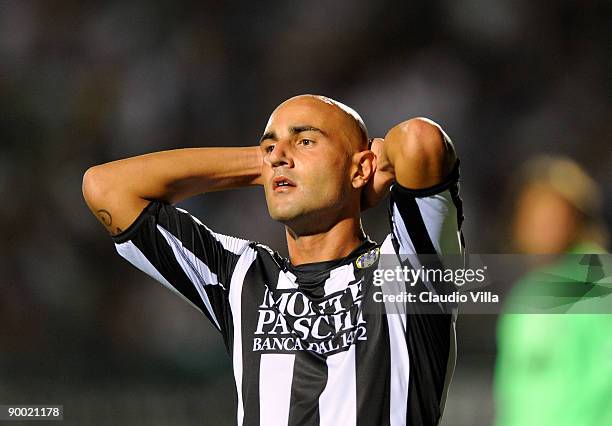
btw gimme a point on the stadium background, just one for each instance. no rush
(83, 83)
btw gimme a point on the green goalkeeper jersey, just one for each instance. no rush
(555, 368)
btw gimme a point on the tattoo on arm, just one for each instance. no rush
(105, 217)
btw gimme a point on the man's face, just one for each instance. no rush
(308, 163)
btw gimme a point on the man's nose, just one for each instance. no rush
(280, 155)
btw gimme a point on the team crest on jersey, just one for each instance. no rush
(367, 259)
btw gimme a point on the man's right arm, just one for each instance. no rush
(117, 192)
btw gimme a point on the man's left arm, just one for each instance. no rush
(417, 161)
(415, 153)
(417, 164)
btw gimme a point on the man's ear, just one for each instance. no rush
(364, 167)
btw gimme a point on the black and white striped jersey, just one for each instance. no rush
(305, 348)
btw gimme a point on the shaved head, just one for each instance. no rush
(351, 113)
(352, 117)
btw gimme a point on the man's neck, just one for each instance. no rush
(338, 242)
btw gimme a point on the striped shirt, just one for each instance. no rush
(308, 346)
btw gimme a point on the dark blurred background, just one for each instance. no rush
(83, 83)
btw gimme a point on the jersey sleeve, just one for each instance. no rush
(425, 226)
(428, 221)
(184, 255)
(426, 232)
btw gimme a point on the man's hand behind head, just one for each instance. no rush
(377, 188)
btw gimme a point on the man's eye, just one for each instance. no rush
(269, 149)
(306, 142)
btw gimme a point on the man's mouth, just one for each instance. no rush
(282, 184)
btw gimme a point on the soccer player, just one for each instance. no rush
(554, 368)
(307, 346)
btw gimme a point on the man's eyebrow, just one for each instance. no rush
(294, 130)
(299, 129)
(268, 135)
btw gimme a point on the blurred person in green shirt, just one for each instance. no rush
(555, 368)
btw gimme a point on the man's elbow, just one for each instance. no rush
(95, 186)
(422, 138)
